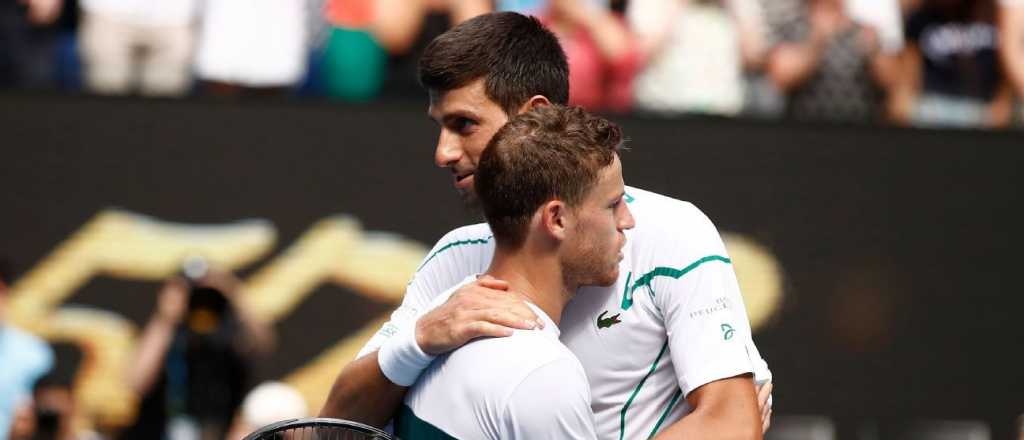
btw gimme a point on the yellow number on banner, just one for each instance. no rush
(124, 245)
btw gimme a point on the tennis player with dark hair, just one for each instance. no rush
(551, 188)
(667, 348)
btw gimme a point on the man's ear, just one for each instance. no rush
(536, 100)
(555, 219)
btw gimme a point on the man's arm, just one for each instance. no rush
(483, 308)
(1011, 42)
(709, 333)
(148, 359)
(723, 409)
(363, 394)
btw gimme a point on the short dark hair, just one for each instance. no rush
(550, 152)
(516, 55)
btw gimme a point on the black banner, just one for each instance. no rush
(898, 249)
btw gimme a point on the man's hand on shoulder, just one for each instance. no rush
(483, 308)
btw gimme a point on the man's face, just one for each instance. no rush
(593, 247)
(468, 120)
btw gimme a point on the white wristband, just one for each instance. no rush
(401, 359)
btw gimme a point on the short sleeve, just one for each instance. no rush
(698, 295)
(458, 254)
(551, 403)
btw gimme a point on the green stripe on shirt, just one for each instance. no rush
(647, 278)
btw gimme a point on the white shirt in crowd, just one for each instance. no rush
(145, 12)
(253, 43)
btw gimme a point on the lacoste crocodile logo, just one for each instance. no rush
(603, 322)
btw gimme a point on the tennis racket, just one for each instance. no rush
(318, 429)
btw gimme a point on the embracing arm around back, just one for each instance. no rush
(724, 409)
(483, 308)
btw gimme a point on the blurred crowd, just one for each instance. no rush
(908, 62)
(191, 371)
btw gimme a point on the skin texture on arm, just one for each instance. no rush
(610, 34)
(790, 64)
(908, 86)
(750, 26)
(1011, 45)
(397, 23)
(157, 336)
(724, 410)
(361, 393)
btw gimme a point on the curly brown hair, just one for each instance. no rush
(550, 152)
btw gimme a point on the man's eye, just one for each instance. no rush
(463, 124)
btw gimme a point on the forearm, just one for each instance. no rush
(462, 10)
(397, 29)
(363, 394)
(706, 425)
(1011, 45)
(150, 354)
(791, 64)
(610, 35)
(907, 87)
(259, 337)
(725, 409)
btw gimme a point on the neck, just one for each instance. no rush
(537, 276)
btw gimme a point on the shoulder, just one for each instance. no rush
(665, 222)
(471, 239)
(641, 199)
(500, 365)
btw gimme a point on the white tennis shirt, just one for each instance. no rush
(673, 321)
(526, 386)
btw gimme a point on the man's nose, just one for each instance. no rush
(446, 152)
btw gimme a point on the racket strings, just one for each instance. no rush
(320, 433)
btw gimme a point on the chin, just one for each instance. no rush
(609, 278)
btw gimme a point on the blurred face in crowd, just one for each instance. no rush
(594, 248)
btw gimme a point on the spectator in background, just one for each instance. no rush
(696, 52)
(830, 66)
(374, 44)
(138, 45)
(23, 359)
(192, 362)
(1011, 44)
(268, 403)
(252, 47)
(56, 414)
(603, 55)
(354, 60)
(885, 17)
(409, 34)
(950, 72)
(28, 43)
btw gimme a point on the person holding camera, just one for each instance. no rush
(191, 365)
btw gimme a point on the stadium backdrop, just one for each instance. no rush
(880, 266)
